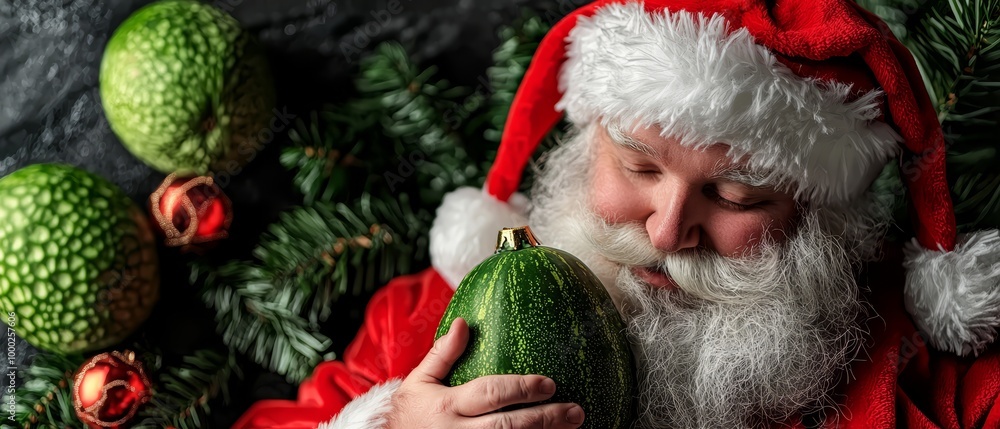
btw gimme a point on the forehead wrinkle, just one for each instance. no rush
(621, 138)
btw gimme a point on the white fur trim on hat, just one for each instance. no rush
(366, 411)
(954, 297)
(465, 230)
(705, 85)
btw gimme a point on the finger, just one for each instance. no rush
(547, 416)
(491, 393)
(445, 352)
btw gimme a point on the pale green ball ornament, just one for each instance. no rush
(186, 89)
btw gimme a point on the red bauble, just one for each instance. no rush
(191, 211)
(108, 389)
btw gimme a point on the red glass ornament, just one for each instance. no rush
(191, 211)
(109, 388)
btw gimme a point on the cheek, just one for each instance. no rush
(732, 234)
(611, 197)
(731, 237)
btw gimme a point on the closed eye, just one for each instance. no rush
(639, 172)
(713, 194)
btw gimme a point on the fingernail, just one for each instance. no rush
(548, 386)
(575, 415)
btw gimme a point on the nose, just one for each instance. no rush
(673, 225)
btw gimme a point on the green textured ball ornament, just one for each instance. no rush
(78, 264)
(186, 89)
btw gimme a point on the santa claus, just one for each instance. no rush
(718, 179)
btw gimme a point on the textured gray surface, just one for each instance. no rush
(50, 104)
(50, 53)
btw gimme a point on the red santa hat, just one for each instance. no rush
(817, 93)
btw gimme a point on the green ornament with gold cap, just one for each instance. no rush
(78, 264)
(533, 309)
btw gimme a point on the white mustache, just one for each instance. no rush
(700, 273)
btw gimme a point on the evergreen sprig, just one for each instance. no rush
(422, 118)
(253, 318)
(955, 45)
(955, 42)
(331, 147)
(341, 250)
(45, 399)
(510, 61)
(182, 393)
(399, 125)
(270, 308)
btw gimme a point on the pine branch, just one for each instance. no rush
(182, 394)
(511, 60)
(328, 149)
(422, 117)
(324, 247)
(270, 309)
(395, 128)
(252, 319)
(956, 44)
(411, 96)
(45, 399)
(961, 39)
(950, 42)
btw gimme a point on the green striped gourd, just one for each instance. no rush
(533, 309)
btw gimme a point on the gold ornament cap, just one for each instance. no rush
(516, 238)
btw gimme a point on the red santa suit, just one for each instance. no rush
(818, 92)
(898, 380)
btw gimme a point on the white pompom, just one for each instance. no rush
(954, 297)
(465, 230)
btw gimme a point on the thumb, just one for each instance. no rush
(445, 352)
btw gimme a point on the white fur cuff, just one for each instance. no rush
(366, 411)
(465, 230)
(954, 297)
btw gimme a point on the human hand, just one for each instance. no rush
(423, 401)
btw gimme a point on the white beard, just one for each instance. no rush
(742, 342)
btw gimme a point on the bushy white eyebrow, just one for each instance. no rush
(621, 138)
(724, 171)
(743, 176)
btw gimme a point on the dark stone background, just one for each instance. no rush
(50, 53)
